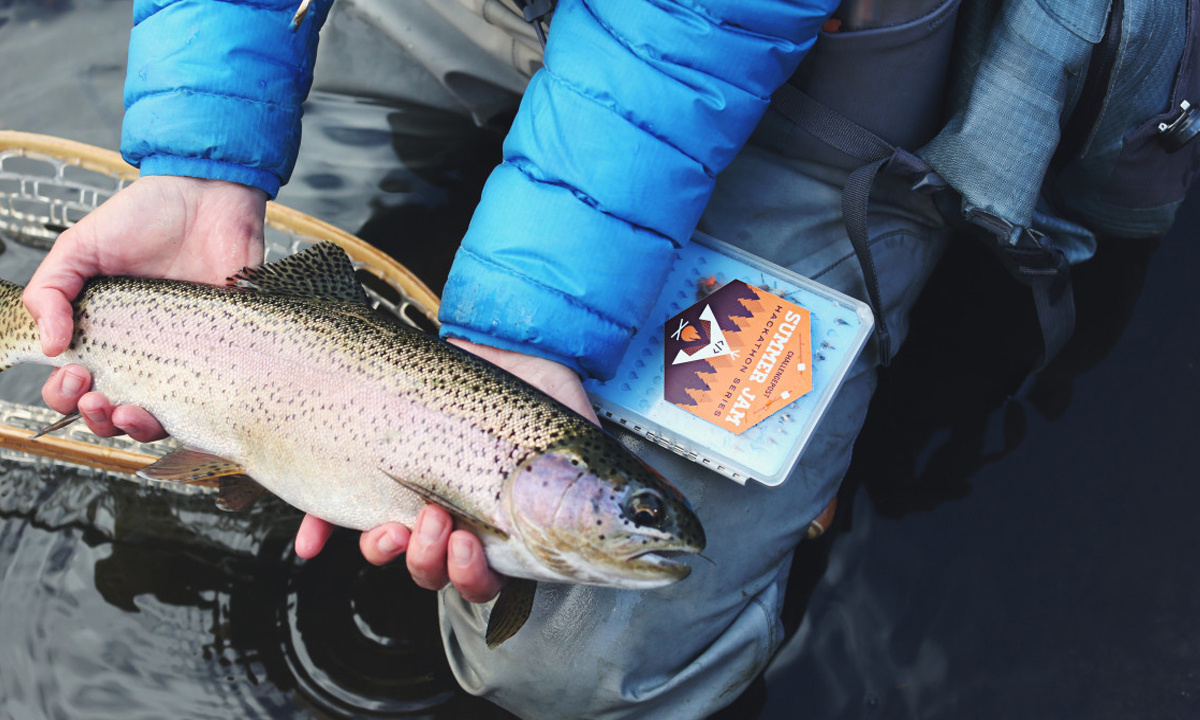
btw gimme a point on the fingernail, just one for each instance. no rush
(387, 544)
(431, 527)
(46, 337)
(462, 551)
(43, 335)
(71, 384)
(94, 416)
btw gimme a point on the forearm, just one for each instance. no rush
(214, 89)
(609, 163)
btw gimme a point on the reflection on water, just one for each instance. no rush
(122, 601)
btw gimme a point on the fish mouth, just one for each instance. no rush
(665, 564)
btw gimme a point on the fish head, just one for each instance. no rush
(590, 512)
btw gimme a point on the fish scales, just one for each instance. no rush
(292, 380)
(324, 364)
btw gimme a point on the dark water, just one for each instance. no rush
(992, 559)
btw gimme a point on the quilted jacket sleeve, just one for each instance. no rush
(609, 164)
(214, 89)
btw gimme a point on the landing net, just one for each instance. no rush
(48, 184)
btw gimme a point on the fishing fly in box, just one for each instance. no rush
(737, 363)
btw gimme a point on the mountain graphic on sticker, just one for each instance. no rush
(690, 333)
(703, 339)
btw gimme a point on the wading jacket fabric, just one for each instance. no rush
(610, 161)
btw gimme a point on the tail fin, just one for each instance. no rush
(19, 341)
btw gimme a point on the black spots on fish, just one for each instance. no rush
(322, 271)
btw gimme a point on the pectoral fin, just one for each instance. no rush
(449, 506)
(237, 489)
(59, 424)
(511, 611)
(238, 492)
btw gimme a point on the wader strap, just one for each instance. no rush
(850, 138)
(1047, 273)
(535, 12)
(1041, 267)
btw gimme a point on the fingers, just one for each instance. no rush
(428, 548)
(51, 310)
(436, 553)
(159, 226)
(555, 379)
(137, 423)
(50, 307)
(97, 413)
(437, 556)
(65, 387)
(68, 389)
(311, 536)
(55, 283)
(469, 571)
(384, 544)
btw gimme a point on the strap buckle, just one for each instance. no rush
(1180, 131)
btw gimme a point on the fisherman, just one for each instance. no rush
(609, 165)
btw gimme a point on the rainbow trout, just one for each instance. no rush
(287, 381)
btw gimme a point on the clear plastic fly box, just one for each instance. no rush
(737, 363)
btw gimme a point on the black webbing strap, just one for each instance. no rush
(1047, 273)
(536, 12)
(1043, 268)
(848, 137)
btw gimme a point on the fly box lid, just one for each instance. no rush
(737, 363)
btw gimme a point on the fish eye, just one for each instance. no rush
(645, 508)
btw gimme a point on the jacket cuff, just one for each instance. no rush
(212, 170)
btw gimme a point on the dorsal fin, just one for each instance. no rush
(322, 271)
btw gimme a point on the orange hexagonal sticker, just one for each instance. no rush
(737, 356)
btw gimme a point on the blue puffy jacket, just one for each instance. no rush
(609, 163)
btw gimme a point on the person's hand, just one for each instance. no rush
(436, 554)
(159, 226)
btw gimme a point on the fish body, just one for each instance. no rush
(288, 380)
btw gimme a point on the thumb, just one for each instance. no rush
(51, 310)
(48, 296)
